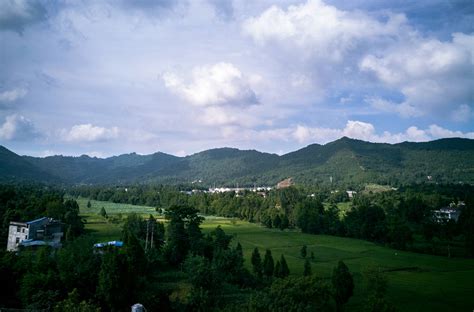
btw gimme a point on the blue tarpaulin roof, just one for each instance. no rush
(111, 243)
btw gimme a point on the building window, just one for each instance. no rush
(17, 240)
(18, 229)
(23, 230)
(26, 236)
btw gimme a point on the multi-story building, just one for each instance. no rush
(39, 232)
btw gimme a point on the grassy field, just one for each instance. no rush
(103, 229)
(417, 282)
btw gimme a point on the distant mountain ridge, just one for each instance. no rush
(345, 161)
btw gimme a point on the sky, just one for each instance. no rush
(110, 77)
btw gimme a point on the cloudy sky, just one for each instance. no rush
(116, 76)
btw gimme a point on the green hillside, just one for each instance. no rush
(344, 161)
(14, 168)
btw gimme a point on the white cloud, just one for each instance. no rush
(17, 127)
(89, 133)
(367, 132)
(220, 84)
(438, 132)
(12, 95)
(321, 29)
(434, 76)
(359, 130)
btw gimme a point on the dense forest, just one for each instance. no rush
(345, 162)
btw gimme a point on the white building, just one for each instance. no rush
(446, 214)
(39, 232)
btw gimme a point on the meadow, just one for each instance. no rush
(416, 282)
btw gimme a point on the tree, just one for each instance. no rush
(303, 251)
(277, 222)
(103, 213)
(73, 304)
(312, 256)
(399, 234)
(268, 264)
(376, 288)
(184, 233)
(343, 284)
(88, 204)
(111, 289)
(284, 270)
(277, 271)
(307, 268)
(294, 294)
(256, 261)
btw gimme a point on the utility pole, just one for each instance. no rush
(146, 239)
(152, 230)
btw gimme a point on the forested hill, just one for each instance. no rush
(346, 160)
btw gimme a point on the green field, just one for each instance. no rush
(417, 282)
(103, 229)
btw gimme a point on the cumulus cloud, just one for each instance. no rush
(17, 128)
(434, 76)
(12, 95)
(220, 84)
(89, 133)
(367, 132)
(15, 15)
(322, 29)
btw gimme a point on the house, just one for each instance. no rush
(351, 194)
(39, 232)
(446, 214)
(451, 212)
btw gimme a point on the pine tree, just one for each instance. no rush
(312, 256)
(256, 261)
(277, 272)
(103, 213)
(307, 268)
(239, 251)
(268, 264)
(88, 204)
(284, 270)
(343, 284)
(277, 222)
(304, 251)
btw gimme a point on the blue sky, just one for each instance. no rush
(110, 77)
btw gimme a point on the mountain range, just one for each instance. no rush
(345, 161)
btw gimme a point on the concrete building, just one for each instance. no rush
(446, 214)
(39, 232)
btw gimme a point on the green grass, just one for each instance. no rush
(112, 208)
(104, 229)
(417, 282)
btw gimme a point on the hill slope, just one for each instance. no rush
(344, 161)
(15, 168)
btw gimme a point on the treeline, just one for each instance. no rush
(402, 218)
